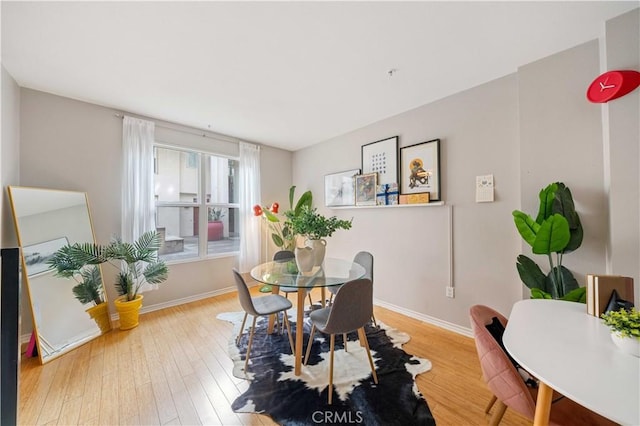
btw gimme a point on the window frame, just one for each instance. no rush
(202, 205)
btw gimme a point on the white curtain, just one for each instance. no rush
(138, 203)
(250, 225)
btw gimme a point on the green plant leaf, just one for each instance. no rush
(553, 235)
(536, 293)
(563, 204)
(277, 240)
(530, 273)
(156, 272)
(576, 295)
(547, 196)
(526, 226)
(270, 216)
(305, 200)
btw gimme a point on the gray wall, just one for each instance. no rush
(67, 144)
(622, 150)
(9, 154)
(528, 129)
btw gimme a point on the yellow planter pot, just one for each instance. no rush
(129, 311)
(100, 314)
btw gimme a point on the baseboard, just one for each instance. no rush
(426, 318)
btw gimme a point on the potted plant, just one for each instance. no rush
(89, 288)
(556, 231)
(314, 227)
(625, 329)
(139, 265)
(215, 227)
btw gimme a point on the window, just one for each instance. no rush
(197, 210)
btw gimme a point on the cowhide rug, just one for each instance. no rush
(302, 400)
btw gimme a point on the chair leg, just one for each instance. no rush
(310, 300)
(344, 339)
(246, 361)
(373, 318)
(286, 322)
(333, 341)
(306, 356)
(490, 404)
(497, 415)
(241, 328)
(363, 337)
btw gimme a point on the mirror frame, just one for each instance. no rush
(26, 274)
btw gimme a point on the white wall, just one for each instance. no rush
(9, 154)
(622, 136)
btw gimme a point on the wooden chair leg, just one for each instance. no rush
(246, 361)
(373, 318)
(363, 338)
(497, 414)
(490, 404)
(333, 341)
(241, 328)
(306, 356)
(344, 339)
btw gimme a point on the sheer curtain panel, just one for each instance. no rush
(138, 204)
(250, 225)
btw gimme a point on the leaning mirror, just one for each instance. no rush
(47, 220)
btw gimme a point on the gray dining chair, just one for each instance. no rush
(364, 259)
(351, 310)
(283, 256)
(259, 307)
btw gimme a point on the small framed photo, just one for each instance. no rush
(381, 157)
(420, 169)
(340, 188)
(366, 189)
(37, 255)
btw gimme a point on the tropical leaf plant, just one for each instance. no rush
(555, 232)
(79, 262)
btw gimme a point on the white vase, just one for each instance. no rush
(305, 258)
(319, 249)
(628, 345)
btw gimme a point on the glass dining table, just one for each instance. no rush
(332, 272)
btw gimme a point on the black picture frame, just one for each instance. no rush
(381, 157)
(420, 169)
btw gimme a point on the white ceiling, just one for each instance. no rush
(286, 74)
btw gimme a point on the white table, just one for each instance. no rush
(572, 352)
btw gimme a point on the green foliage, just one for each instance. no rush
(215, 214)
(314, 225)
(281, 232)
(555, 231)
(138, 263)
(627, 323)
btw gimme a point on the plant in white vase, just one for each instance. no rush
(625, 329)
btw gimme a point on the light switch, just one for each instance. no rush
(484, 189)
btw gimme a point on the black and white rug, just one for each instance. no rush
(302, 400)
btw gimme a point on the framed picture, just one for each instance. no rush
(339, 188)
(37, 255)
(381, 157)
(366, 189)
(420, 169)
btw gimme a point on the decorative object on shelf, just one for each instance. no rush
(89, 289)
(366, 189)
(420, 169)
(422, 198)
(625, 329)
(381, 157)
(612, 85)
(556, 230)
(339, 188)
(139, 267)
(387, 194)
(314, 227)
(215, 226)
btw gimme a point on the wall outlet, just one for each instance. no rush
(449, 292)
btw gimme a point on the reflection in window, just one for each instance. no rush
(196, 204)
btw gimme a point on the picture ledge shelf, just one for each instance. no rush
(432, 204)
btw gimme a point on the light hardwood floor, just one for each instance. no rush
(174, 369)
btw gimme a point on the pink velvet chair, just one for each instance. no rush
(507, 385)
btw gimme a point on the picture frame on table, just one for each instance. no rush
(340, 188)
(366, 189)
(381, 157)
(420, 169)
